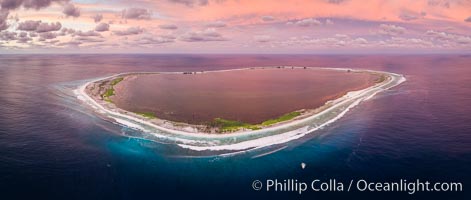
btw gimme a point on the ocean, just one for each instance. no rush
(54, 147)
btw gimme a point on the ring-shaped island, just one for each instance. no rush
(255, 102)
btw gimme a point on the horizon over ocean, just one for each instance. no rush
(53, 147)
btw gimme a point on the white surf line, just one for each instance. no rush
(270, 152)
(242, 144)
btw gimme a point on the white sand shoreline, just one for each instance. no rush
(246, 139)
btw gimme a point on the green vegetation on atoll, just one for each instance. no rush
(149, 115)
(110, 91)
(116, 81)
(225, 125)
(284, 117)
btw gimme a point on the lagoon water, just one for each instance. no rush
(52, 146)
(250, 96)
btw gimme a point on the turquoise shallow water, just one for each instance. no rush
(52, 147)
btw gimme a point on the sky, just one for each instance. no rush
(235, 26)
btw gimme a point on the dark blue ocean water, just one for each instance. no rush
(52, 147)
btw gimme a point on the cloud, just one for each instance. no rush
(28, 25)
(305, 40)
(391, 30)
(336, 1)
(10, 4)
(206, 35)
(168, 26)
(47, 36)
(216, 24)
(337, 41)
(449, 37)
(129, 31)
(89, 39)
(262, 38)
(342, 36)
(51, 42)
(170, 37)
(71, 11)
(3, 20)
(7, 5)
(97, 18)
(306, 22)
(360, 41)
(102, 27)
(440, 3)
(7, 35)
(400, 42)
(23, 37)
(70, 43)
(408, 16)
(87, 34)
(33, 4)
(329, 22)
(190, 2)
(191, 21)
(268, 18)
(38, 26)
(45, 27)
(66, 31)
(136, 13)
(152, 40)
